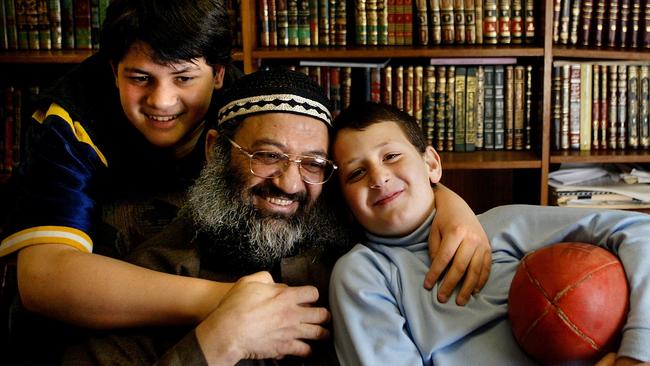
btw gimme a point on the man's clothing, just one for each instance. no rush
(383, 316)
(176, 250)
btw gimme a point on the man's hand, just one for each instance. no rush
(457, 241)
(261, 319)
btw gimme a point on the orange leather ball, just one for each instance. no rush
(568, 302)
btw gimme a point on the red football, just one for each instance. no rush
(568, 302)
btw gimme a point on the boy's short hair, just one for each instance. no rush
(174, 29)
(364, 114)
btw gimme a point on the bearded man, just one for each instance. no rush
(259, 214)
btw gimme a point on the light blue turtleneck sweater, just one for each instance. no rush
(383, 315)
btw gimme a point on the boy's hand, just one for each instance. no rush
(611, 360)
(459, 243)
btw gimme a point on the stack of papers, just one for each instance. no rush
(594, 186)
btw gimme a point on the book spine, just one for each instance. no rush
(566, 107)
(517, 21)
(557, 4)
(488, 124)
(9, 121)
(470, 109)
(600, 23)
(361, 35)
(528, 129)
(441, 107)
(332, 17)
(490, 27)
(94, 24)
(504, 35)
(304, 30)
(478, 20)
(644, 118)
(575, 18)
(480, 106)
(509, 109)
(272, 23)
(32, 17)
(382, 22)
(314, 26)
(585, 26)
(621, 129)
(82, 24)
(612, 115)
(565, 21)
(435, 21)
(263, 23)
(529, 21)
(585, 106)
(409, 91)
(341, 23)
(626, 9)
(398, 88)
(574, 107)
(450, 109)
(282, 22)
(470, 22)
(44, 26)
(603, 107)
(459, 109)
(407, 18)
(499, 108)
(556, 117)
(346, 87)
(595, 108)
(612, 23)
(422, 18)
(633, 106)
(387, 84)
(335, 90)
(519, 99)
(645, 32)
(324, 22)
(459, 21)
(375, 84)
(635, 23)
(10, 21)
(447, 21)
(67, 24)
(428, 117)
(292, 17)
(418, 96)
(54, 10)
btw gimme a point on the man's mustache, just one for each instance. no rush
(268, 189)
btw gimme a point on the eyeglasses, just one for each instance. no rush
(272, 164)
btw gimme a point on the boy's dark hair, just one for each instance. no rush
(174, 29)
(364, 114)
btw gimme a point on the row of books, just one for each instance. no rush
(284, 23)
(64, 24)
(600, 105)
(622, 23)
(460, 107)
(11, 123)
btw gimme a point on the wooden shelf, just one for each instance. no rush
(358, 52)
(600, 156)
(605, 53)
(490, 160)
(61, 56)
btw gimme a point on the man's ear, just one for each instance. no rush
(210, 141)
(219, 72)
(434, 166)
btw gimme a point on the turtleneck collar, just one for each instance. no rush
(419, 235)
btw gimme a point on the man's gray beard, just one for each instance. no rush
(219, 203)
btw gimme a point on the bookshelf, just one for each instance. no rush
(485, 178)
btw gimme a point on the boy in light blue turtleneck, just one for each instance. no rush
(382, 314)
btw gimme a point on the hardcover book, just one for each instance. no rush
(499, 108)
(459, 109)
(470, 109)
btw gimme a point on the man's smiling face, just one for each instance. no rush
(283, 133)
